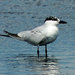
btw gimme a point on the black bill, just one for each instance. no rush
(62, 22)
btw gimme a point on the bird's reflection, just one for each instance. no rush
(33, 64)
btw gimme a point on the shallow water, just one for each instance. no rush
(20, 58)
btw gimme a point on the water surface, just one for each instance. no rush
(20, 58)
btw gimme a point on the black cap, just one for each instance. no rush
(51, 18)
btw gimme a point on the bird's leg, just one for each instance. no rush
(38, 51)
(46, 51)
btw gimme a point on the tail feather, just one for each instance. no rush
(11, 34)
(4, 35)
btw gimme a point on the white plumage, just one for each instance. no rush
(45, 34)
(42, 35)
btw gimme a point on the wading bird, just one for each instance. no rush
(41, 35)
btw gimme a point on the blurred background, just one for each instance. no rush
(20, 58)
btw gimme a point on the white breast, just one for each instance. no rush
(51, 35)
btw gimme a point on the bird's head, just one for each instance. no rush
(54, 20)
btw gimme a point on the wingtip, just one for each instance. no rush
(5, 31)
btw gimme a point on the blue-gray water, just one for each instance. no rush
(20, 58)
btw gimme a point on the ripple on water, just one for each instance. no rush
(33, 64)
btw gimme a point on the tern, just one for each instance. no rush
(41, 35)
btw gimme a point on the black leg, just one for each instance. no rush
(46, 51)
(38, 51)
